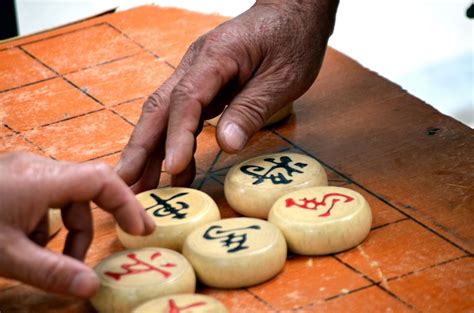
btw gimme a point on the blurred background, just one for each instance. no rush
(426, 46)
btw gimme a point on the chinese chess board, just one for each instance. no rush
(75, 93)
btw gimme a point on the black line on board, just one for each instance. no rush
(373, 282)
(209, 170)
(373, 194)
(140, 45)
(264, 302)
(54, 36)
(29, 141)
(428, 267)
(28, 84)
(104, 155)
(390, 223)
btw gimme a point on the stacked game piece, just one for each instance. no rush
(55, 221)
(275, 118)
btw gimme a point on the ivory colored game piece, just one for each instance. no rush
(176, 212)
(280, 115)
(55, 221)
(275, 118)
(236, 252)
(132, 277)
(189, 303)
(252, 186)
(322, 220)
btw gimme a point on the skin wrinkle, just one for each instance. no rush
(256, 116)
(22, 168)
(278, 47)
(52, 276)
(105, 171)
(154, 103)
(255, 63)
(42, 184)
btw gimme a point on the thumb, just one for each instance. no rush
(25, 261)
(248, 112)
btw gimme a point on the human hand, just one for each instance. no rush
(255, 63)
(29, 186)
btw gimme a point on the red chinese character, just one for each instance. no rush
(140, 267)
(313, 204)
(173, 308)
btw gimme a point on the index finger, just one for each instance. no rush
(99, 183)
(198, 87)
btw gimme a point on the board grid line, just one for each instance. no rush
(53, 36)
(210, 172)
(393, 295)
(374, 194)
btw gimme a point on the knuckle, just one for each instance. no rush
(215, 71)
(21, 157)
(21, 164)
(103, 170)
(156, 102)
(228, 41)
(134, 148)
(183, 91)
(252, 113)
(197, 44)
(53, 277)
(7, 245)
(220, 42)
(213, 46)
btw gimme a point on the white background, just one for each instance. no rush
(426, 46)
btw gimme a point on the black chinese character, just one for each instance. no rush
(163, 208)
(229, 237)
(277, 177)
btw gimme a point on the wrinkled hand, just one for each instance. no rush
(255, 63)
(29, 186)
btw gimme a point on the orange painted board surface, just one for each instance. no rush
(75, 93)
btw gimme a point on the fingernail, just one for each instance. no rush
(234, 136)
(84, 284)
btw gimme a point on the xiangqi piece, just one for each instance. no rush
(236, 252)
(252, 186)
(176, 212)
(131, 277)
(322, 220)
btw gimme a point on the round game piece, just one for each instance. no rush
(55, 221)
(189, 303)
(213, 121)
(176, 212)
(252, 186)
(322, 220)
(236, 252)
(131, 277)
(275, 118)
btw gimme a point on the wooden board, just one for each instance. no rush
(415, 166)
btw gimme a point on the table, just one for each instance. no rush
(75, 93)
